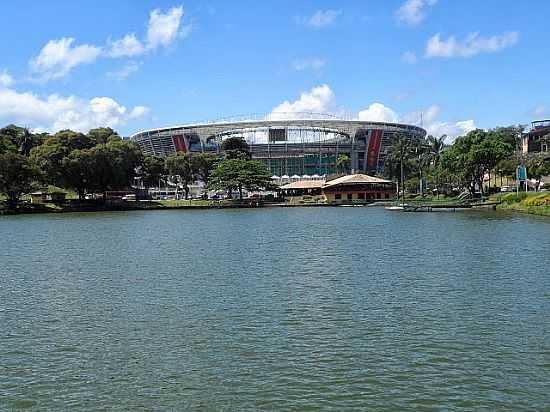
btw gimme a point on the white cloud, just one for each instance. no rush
(127, 46)
(412, 11)
(314, 64)
(163, 28)
(138, 111)
(409, 57)
(472, 45)
(429, 120)
(5, 79)
(321, 18)
(56, 112)
(319, 99)
(59, 57)
(377, 112)
(125, 71)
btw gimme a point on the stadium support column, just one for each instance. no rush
(353, 155)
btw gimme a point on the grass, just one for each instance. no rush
(535, 203)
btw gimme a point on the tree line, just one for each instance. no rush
(472, 159)
(100, 161)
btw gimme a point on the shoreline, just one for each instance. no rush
(517, 207)
(49, 208)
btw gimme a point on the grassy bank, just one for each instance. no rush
(532, 203)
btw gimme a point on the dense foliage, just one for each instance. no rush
(240, 174)
(100, 161)
(466, 164)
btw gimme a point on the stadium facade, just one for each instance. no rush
(289, 144)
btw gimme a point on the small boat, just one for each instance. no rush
(395, 208)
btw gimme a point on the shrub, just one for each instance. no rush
(537, 200)
(514, 197)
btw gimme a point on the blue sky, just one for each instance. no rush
(134, 64)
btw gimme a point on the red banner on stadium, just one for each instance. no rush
(179, 143)
(374, 149)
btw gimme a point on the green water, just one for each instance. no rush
(299, 309)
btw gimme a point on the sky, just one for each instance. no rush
(447, 65)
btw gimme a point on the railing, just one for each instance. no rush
(540, 124)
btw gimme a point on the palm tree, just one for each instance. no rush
(400, 154)
(343, 163)
(436, 147)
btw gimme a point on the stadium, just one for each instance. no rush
(303, 144)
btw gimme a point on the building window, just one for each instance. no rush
(379, 195)
(338, 196)
(350, 196)
(387, 195)
(361, 196)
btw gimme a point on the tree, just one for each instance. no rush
(203, 164)
(236, 148)
(17, 176)
(79, 171)
(343, 163)
(19, 139)
(436, 146)
(125, 157)
(180, 167)
(510, 134)
(102, 135)
(538, 165)
(240, 174)
(400, 159)
(473, 155)
(102, 169)
(151, 170)
(421, 161)
(49, 155)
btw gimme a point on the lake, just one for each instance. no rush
(294, 309)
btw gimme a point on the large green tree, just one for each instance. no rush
(152, 169)
(236, 147)
(102, 135)
(203, 164)
(474, 155)
(240, 174)
(538, 165)
(17, 176)
(78, 171)
(114, 165)
(180, 168)
(125, 157)
(19, 139)
(50, 154)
